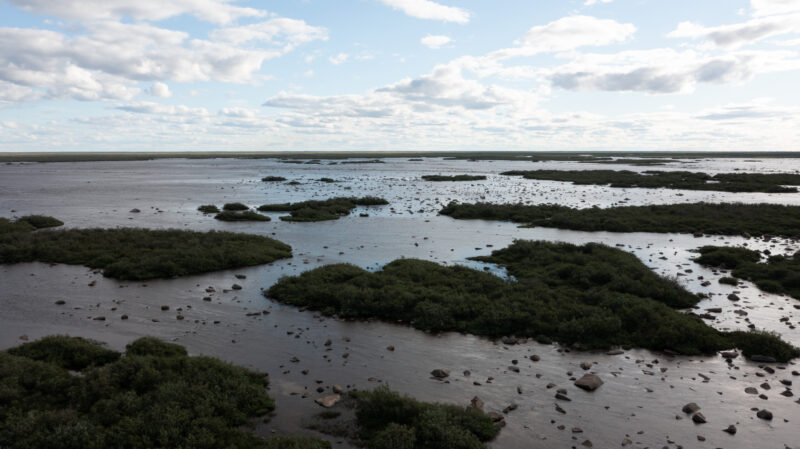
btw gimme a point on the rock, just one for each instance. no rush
(328, 342)
(562, 397)
(236, 287)
(699, 418)
(714, 310)
(476, 403)
(733, 297)
(615, 352)
(99, 318)
(241, 276)
(497, 418)
(329, 401)
(337, 389)
(586, 443)
(511, 407)
(626, 442)
(23, 337)
(586, 366)
(762, 359)
(509, 340)
(535, 358)
(60, 302)
(701, 438)
(690, 408)
(124, 317)
(589, 382)
(134, 211)
(787, 393)
(751, 390)
(765, 414)
(390, 348)
(440, 373)
(730, 429)
(729, 354)
(164, 307)
(513, 368)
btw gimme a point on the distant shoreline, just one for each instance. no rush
(338, 155)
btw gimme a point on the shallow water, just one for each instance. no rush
(168, 192)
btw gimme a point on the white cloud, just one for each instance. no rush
(339, 59)
(594, 2)
(246, 113)
(732, 36)
(772, 7)
(576, 31)
(160, 90)
(426, 9)
(107, 60)
(215, 11)
(148, 107)
(284, 32)
(435, 41)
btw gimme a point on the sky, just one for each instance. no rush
(400, 75)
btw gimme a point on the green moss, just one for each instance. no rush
(136, 254)
(388, 420)
(440, 178)
(728, 182)
(235, 206)
(247, 215)
(41, 221)
(725, 218)
(208, 209)
(136, 402)
(70, 353)
(273, 178)
(778, 274)
(321, 210)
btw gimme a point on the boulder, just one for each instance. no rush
(699, 418)
(765, 414)
(440, 373)
(329, 401)
(690, 408)
(589, 382)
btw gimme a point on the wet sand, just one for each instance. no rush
(636, 397)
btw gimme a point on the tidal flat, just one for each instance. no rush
(643, 390)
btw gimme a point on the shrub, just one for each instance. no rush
(728, 280)
(137, 254)
(154, 347)
(41, 221)
(137, 401)
(235, 206)
(440, 178)
(208, 209)
(247, 215)
(72, 353)
(778, 274)
(273, 178)
(321, 210)
(756, 342)
(726, 218)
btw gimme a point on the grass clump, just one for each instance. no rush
(154, 347)
(778, 274)
(235, 207)
(388, 420)
(71, 353)
(208, 209)
(136, 401)
(247, 215)
(727, 182)
(727, 280)
(764, 343)
(327, 180)
(725, 218)
(441, 178)
(273, 179)
(137, 254)
(591, 295)
(321, 210)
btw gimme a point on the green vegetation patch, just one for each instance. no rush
(273, 178)
(388, 420)
(28, 223)
(208, 209)
(327, 180)
(441, 178)
(160, 399)
(321, 210)
(247, 215)
(235, 206)
(779, 274)
(137, 254)
(727, 182)
(592, 295)
(708, 218)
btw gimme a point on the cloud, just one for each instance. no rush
(160, 90)
(215, 11)
(282, 32)
(665, 71)
(426, 9)
(732, 36)
(773, 7)
(111, 57)
(246, 113)
(147, 107)
(339, 59)
(594, 2)
(435, 42)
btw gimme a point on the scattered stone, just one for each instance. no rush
(60, 302)
(589, 382)
(329, 401)
(511, 407)
(535, 358)
(733, 297)
(586, 366)
(236, 287)
(337, 389)
(765, 414)
(390, 348)
(476, 403)
(699, 418)
(615, 352)
(751, 390)
(730, 429)
(440, 373)
(690, 408)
